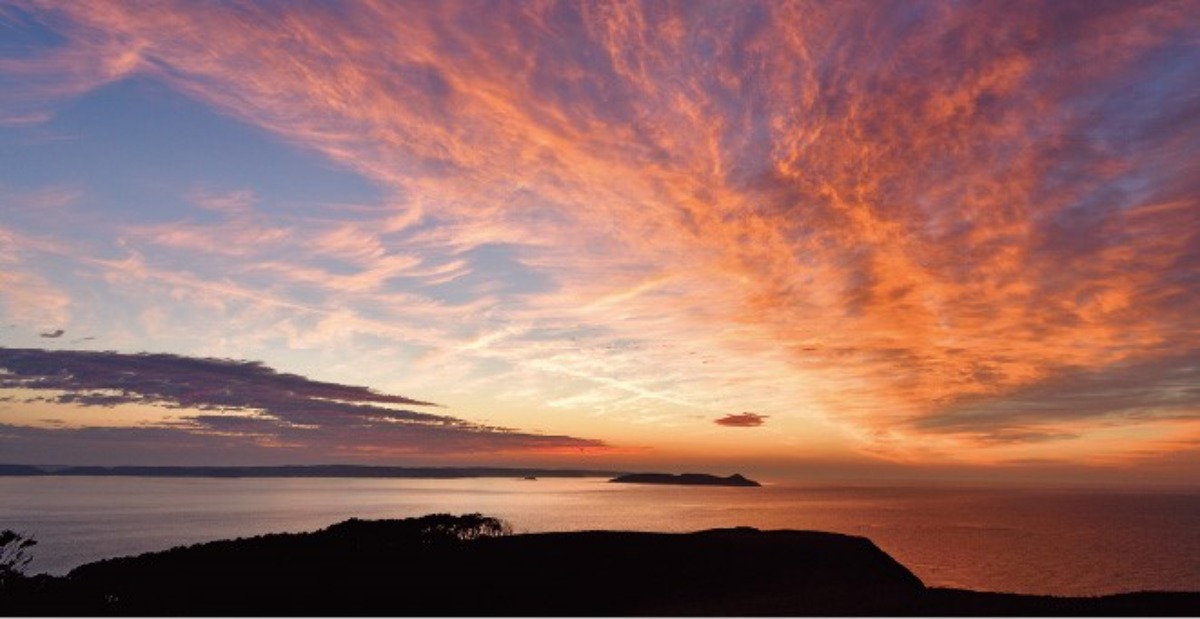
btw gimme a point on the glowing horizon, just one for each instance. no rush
(776, 235)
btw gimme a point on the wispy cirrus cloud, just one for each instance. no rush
(879, 210)
(28, 296)
(1163, 389)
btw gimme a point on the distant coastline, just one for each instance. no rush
(319, 470)
(686, 479)
(368, 472)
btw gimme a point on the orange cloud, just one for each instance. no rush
(882, 211)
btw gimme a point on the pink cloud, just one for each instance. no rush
(969, 206)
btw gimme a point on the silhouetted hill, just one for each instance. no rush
(320, 470)
(686, 479)
(464, 565)
(19, 470)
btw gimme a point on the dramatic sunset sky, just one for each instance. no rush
(809, 239)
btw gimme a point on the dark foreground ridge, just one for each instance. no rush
(469, 565)
(686, 479)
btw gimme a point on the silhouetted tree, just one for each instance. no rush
(14, 556)
(438, 527)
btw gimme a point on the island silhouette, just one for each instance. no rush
(686, 479)
(473, 565)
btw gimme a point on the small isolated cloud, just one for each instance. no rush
(742, 420)
(57, 333)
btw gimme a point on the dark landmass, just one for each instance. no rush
(9, 470)
(468, 565)
(686, 479)
(321, 470)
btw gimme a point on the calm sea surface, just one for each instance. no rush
(1066, 542)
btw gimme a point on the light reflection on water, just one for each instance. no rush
(1028, 541)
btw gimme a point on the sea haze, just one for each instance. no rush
(1064, 542)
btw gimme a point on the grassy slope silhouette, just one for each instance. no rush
(471, 565)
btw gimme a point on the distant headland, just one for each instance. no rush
(686, 479)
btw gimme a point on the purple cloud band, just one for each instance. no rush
(249, 401)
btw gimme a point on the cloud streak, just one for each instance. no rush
(252, 403)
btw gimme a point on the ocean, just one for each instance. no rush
(1039, 541)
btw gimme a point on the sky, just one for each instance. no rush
(810, 240)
